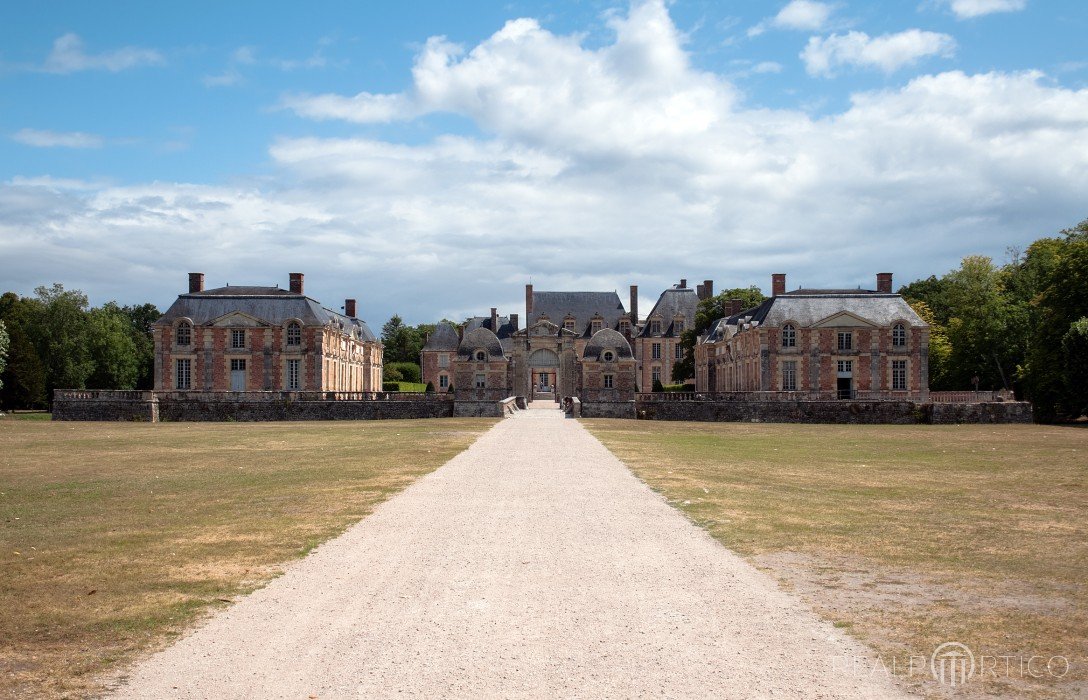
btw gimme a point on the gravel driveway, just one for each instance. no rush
(531, 565)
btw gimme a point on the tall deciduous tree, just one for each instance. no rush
(402, 343)
(115, 357)
(61, 335)
(5, 341)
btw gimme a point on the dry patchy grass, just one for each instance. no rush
(907, 536)
(115, 536)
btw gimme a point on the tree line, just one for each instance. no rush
(55, 340)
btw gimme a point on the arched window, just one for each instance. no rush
(789, 336)
(294, 334)
(481, 355)
(608, 356)
(899, 335)
(184, 333)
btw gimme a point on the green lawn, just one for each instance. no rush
(115, 536)
(908, 536)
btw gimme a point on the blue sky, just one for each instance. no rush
(429, 158)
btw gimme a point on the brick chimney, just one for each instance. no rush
(296, 283)
(196, 282)
(494, 320)
(884, 282)
(514, 321)
(349, 308)
(700, 293)
(634, 308)
(778, 284)
(708, 288)
(733, 307)
(683, 284)
(528, 304)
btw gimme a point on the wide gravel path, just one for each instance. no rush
(534, 564)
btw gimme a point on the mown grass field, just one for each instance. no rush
(905, 536)
(116, 536)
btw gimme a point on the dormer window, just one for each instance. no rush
(655, 327)
(595, 326)
(608, 356)
(481, 355)
(678, 325)
(184, 334)
(789, 336)
(294, 334)
(899, 335)
(568, 323)
(625, 326)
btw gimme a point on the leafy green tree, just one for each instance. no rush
(402, 343)
(658, 387)
(113, 351)
(408, 371)
(933, 292)
(5, 342)
(707, 312)
(940, 349)
(1075, 349)
(61, 336)
(25, 376)
(140, 318)
(430, 388)
(978, 326)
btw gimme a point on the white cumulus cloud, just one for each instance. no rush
(69, 56)
(888, 52)
(43, 138)
(802, 15)
(966, 9)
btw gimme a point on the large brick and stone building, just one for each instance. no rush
(263, 339)
(657, 345)
(819, 344)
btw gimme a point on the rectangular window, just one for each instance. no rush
(846, 366)
(625, 326)
(443, 359)
(608, 381)
(237, 339)
(655, 374)
(237, 365)
(596, 326)
(293, 374)
(444, 381)
(655, 351)
(655, 327)
(481, 381)
(899, 375)
(184, 374)
(846, 340)
(679, 351)
(789, 376)
(679, 326)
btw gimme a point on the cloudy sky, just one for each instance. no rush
(430, 158)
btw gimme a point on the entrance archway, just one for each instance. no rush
(543, 373)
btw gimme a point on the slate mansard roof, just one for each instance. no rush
(607, 339)
(444, 338)
(272, 305)
(672, 302)
(480, 339)
(583, 306)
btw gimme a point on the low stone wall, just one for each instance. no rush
(106, 406)
(873, 412)
(608, 409)
(478, 409)
(182, 410)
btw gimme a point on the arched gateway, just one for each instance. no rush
(543, 369)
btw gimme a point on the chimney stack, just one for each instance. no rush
(884, 282)
(196, 282)
(514, 321)
(778, 284)
(494, 320)
(349, 308)
(296, 283)
(700, 292)
(683, 284)
(708, 288)
(733, 307)
(528, 304)
(634, 309)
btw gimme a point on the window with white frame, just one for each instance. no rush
(294, 334)
(293, 367)
(655, 374)
(625, 326)
(679, 352)
(678, 325)
(899, 335)
(608, 381)
(846, 340)
(184, 334)
(846, 366)
(183, 374)
(238, 338)
(789, 376)
(655, 351)
(443, 381)
(789, 336)
(443, 359)
(655, 327)
(899, 375)
(595, 325)
(569, 324)
(481, 381)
